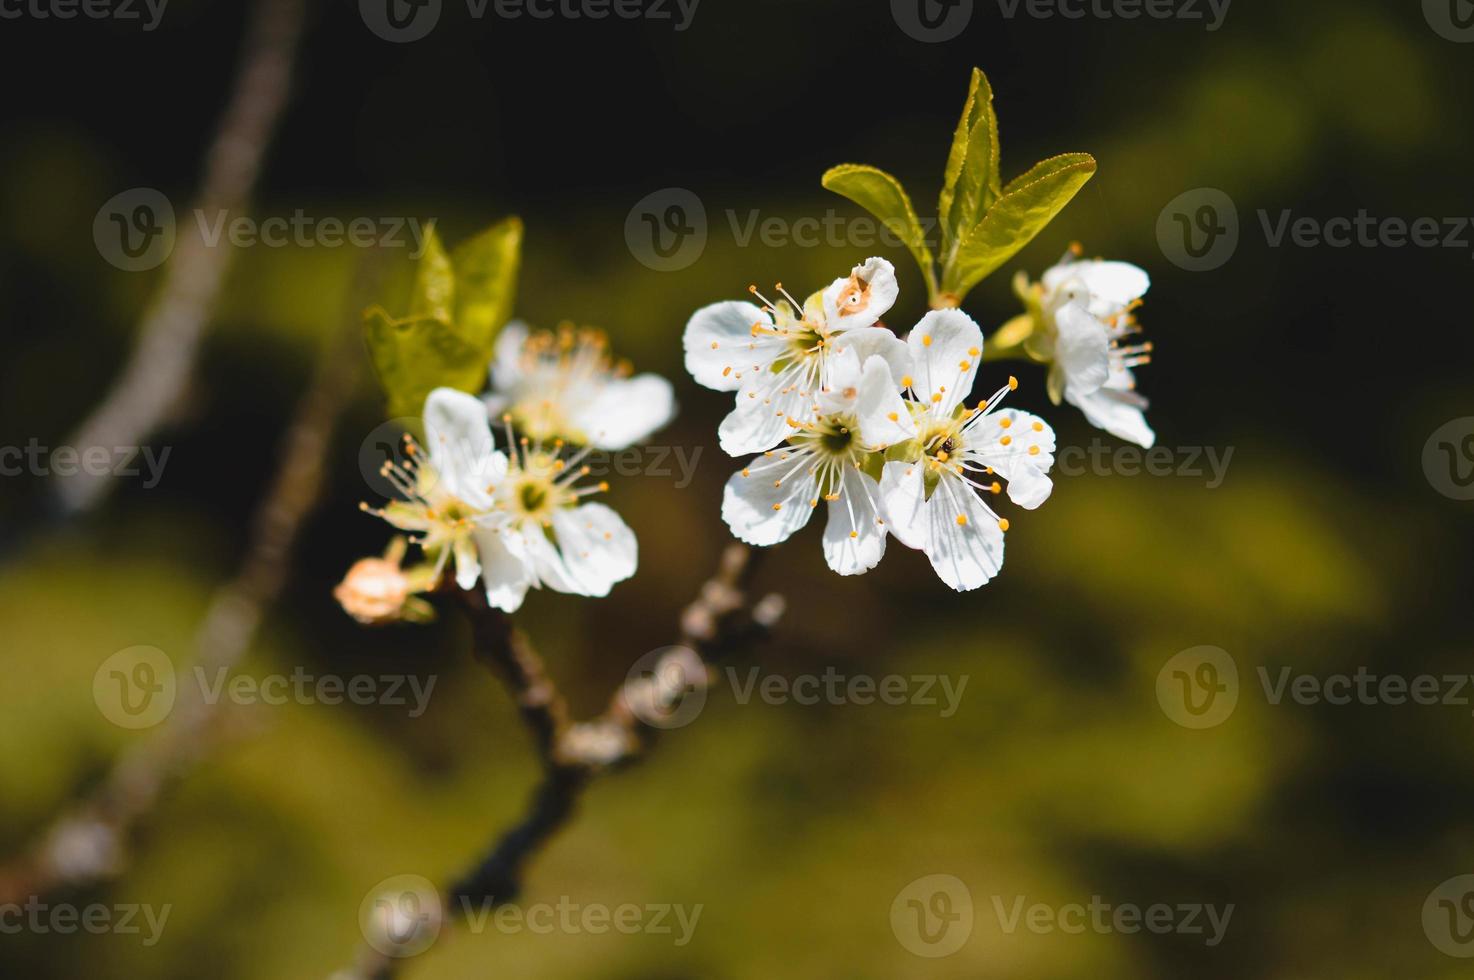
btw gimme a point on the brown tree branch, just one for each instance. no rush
(168, 338)
(717, 623)
(89, 843)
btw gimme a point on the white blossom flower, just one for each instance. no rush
(776, 357)
(446, 497)
(565, 385)
(515, 524)
(543, 533)
(1084, 311)
(833, 454)
(930, 500)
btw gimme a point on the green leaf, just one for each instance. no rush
(433, 292)
(1025, 206)
(486, 281)
(882, 195)
(418, 354)
(970, 184)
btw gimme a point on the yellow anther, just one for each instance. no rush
(936, 397)
(726, 370)
(713, 345)
(961, 520)
(1033, 450)
(1038, 426)
(777, 506)
(1012, 383)
(1003, 524)
(854, 534)
(964, 365)
(926, 341)
(1005, 440)
(943, 456)
(1005, 422)
(893, 417)
(973, 351)
(906, 381)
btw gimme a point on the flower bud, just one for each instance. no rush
(374, 591)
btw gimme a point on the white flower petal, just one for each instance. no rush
(598, 548)
(1108, 286)
(1116, 408)
(548, 564)
(1024, 460)
(720, 344)
(762, 514)
(966, 543)
(946, 346)
(903, 502)
(506, 359)
(760, 420)
(627, 411)
(877, 341)
(843, 371)
(862, 297)
(1082, 348)
(504, 568)
(880, 413)
(468, 567)
(460, 445)
(854, 538)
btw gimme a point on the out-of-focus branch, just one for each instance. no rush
(163, 358)
(719, 621)
(90, 842)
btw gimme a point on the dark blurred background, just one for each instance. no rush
(1326, 547)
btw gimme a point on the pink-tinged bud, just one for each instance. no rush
(374, 591)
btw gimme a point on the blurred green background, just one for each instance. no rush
(1060, 778)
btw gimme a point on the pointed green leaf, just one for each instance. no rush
(433, 292)
(1021, 212)
(970, 184)
(415, 355)
(882, 195)
(486, 281)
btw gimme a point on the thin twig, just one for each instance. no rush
(89, 843)
(717, 623)
(163, 359)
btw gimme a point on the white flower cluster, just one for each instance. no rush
(842, 411)
(519, 519)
